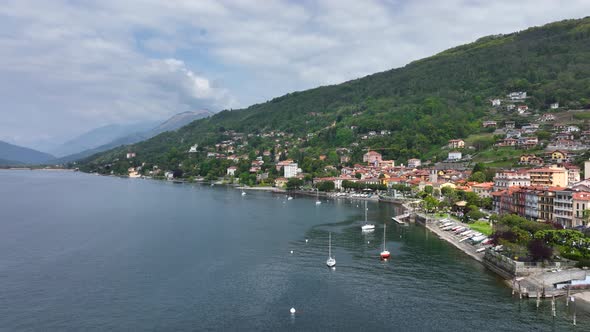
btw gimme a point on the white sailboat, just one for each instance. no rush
(385, 253)
(367, 227)
(317, 197)
(331, 262)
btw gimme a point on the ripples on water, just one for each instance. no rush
(81, 252)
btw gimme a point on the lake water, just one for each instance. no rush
(84, 252)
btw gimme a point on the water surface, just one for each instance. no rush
(84, 252)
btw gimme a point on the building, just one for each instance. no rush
(487, 124)
(496, 102)
(414, 163)
(550, 177)
(581, 203)
(563, 209)
(291, 170)
(573, 174)
(554, 106)
(455, 155)
(547, 117)
(518, 95)
(231, 171)
(530, 159)
(506, 179)
(280, 182)
(587, 169)
(193, 149)
(130, 155)
(456, 144)
(558, 156)
(546, 205)
(483, 190)
(372, 157)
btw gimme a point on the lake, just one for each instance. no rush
(86, 252)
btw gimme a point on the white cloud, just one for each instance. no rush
(70, 66)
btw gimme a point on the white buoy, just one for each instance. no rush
(368, 242)
(306, 240)
(291, 251)
(292, 311)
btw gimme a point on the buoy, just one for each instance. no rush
(291, 251)
(368, 242)
(292, 311)
(306, 240)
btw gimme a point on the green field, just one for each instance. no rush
(482, 227)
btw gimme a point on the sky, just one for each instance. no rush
(69, 66)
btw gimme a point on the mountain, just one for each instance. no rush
(100, 136)
(177, 121)
(417, 107)
(11, 154)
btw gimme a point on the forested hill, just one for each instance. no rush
(422, 104)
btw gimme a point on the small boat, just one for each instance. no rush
(317, 197)
(385, 253)
(243, 193)
(289, 198)
(331, 262)
(367, 227)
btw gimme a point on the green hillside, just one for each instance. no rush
(419, 106)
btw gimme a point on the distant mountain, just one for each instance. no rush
(11, 154)
(100, 136)
(177, 121)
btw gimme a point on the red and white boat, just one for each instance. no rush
(385, 253)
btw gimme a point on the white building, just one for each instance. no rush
(518, 95)
(455, 155)
(496, 102)
(290, 170)
(231, 171)
(413, 163)
(554, 106)
(193, 148)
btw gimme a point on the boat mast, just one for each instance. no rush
(384, 229)
(330, 246)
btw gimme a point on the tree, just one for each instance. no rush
(430, 203)
(429, 190)
(326, 186)
(539, 251)
(478, 177)
(294, 183)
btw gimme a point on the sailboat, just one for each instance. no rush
(317, 197)
(331, 262)
(367, 227)
(385, 253)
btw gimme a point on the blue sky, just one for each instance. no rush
(70, 66)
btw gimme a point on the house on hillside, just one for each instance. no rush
(487, 124)
(372, 157)
(455, 155)
(517, 95)
(547, 117)
(414, 163)
(496, 102)
(456, 144)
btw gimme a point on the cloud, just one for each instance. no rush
(70, 66)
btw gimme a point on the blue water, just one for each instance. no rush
(84, 252)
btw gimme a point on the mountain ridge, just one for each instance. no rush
(11, 154)
(422, 104)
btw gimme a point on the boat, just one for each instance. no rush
(289, 198)
(331, 262)
(385, 253)
(317, 197)
(367, 227)
(243, 193)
